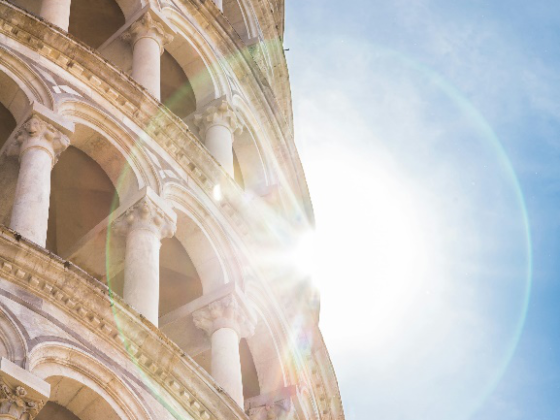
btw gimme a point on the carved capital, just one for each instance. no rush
(37, 133)
(225, 313)
(277, 410)
(220, 114)
(148, 27)
(16, 402)
(146, 215)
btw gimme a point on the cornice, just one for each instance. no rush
(91, 304)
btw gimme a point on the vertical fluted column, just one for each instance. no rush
(38, 145)
(56, 12)
(148, 38)
(145, 224)
(217, 125)
(225, 321)
(22, 394)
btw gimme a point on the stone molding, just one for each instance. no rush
(222, 114)
(148, 27)
(145, 214)
(111, 319)
(36, 133)
(225, 313)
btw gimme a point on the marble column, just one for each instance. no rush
(38, 145)
(145, 224)
(217, 125)
(56, 12)
(226, 322)
(22, 394)
(148, 37)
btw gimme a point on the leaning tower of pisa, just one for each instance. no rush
(151, 197)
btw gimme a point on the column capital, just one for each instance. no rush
(276, 405)
(149, 25)
(226, 312)
(22, 394)
(147, 213)
(277, 410)
(218, 113)
(41, 129)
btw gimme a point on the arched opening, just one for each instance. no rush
(249, 167)
(13, 104)
(237, 17)
(237, 173)
(82, 195)
(32, 6)
(54, 411)
(7, 124)
(176, 90)
(71, 400)
(93, 22)
(179, 280)
(251, 386)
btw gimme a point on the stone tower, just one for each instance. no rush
(151, 198)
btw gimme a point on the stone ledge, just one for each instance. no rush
(90, 303)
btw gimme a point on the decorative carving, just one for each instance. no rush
(15, 402)
(225, 313)
(278, 410)
(37, 133)
(147, 27)
(220, 114)
(147, 215)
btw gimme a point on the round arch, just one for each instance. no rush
(113, 147)
(20, 87)
(70, 371)
(12, 342)
(203, 239)
(249, 149)
(197, 59)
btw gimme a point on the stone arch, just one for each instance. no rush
(241, 16)
(197, 59)
(72, 371)
(270, 346)
(20, 87)
(82, 196)
(202, 238)
(12, 342)
(249, 150)
(113, 147)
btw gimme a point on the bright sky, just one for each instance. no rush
(430, 135)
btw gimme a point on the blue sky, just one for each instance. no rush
(430, 134)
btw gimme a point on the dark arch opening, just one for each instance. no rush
(176, 91)
(9, 167)
(237, 174)
(52, 411)
(251, 386)
(72, 400)
(179, 280)
(81, 196)
(93, 22)
(7, 124)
